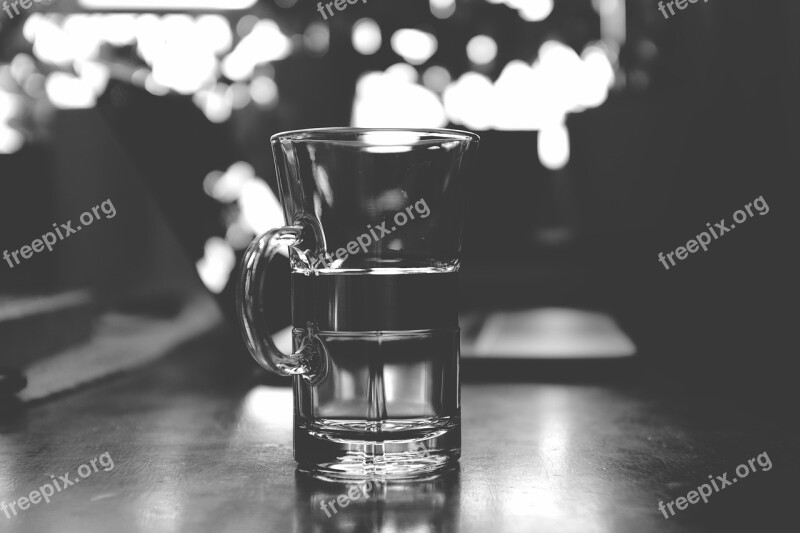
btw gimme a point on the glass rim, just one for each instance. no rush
(349, 135)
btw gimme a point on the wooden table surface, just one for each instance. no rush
(198, 446)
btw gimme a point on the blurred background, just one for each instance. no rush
(609, 134)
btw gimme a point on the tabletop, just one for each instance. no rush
(194, 443)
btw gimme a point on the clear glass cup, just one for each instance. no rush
(374, 239)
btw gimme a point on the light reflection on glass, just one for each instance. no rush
(387, 142)
(389, 507)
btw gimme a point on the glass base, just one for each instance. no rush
(334, 458)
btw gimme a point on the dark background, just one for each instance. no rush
(702, 120)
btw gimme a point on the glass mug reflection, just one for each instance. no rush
(374, 241)
(426, 506)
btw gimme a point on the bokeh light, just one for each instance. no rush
(415, 46)
(481, 49)
(366, 36)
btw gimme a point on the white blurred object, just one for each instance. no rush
(265, 43)
(217, 31)
(180, 51)
(283, 339)
(10, 140)
(613, 17)
(556, 333)
(258, 207)
(415, 46)
(436, 78)
(443, 9)
(403, 72)
(10, 105)
(481, 49)
(533, 10)
(121, 5)
(391, 99)
(182, 69)
(317, 38)
(532, 96)
(366, 37)
(94, 74)
(530, 10)
(470, 101)
(228, 186)
(52, 44)
(66, 91)
(216, 103)
(240, 95)
(216, 265)
(264, 91)
(553, 146)
(21, 67)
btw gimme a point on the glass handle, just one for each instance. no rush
(311, 358)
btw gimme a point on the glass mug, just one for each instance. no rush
(374, 238)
